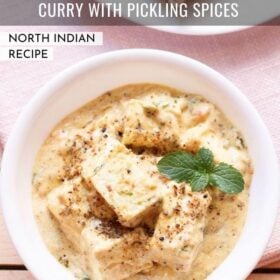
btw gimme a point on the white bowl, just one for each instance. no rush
(81, 83)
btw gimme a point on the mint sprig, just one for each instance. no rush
(200, 171)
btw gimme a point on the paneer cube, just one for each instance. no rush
(114, 252)
(179, 229)
(193, 138)
(130, 184)
(147, 126)
(72, 204)
(95, 158)
(196, 125)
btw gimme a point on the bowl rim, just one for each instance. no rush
(93, 63)
(201, 30)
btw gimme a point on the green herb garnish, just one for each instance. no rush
(200, 171)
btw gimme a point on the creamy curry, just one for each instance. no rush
(104, 210)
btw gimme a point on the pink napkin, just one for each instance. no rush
(251, 59)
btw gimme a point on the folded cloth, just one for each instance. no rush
(251, 59)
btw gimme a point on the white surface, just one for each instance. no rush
(81, 83)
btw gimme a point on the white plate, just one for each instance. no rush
(200, 30)
(264, 12)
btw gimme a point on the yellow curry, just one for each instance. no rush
(103, 208)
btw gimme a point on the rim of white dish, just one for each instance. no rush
(64, 77)
(195, 30)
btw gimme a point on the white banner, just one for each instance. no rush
(51, 38)
(25, 54)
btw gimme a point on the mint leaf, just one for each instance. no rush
(227, 178)
(200, 171)
(199, 181)
(178, 166)
(205, 160)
